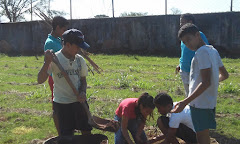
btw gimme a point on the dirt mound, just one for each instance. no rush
(153, 131)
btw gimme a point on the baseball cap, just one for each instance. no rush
(75, 36)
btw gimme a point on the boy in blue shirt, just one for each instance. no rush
(207, 70)
(187, 54)
(54, 43)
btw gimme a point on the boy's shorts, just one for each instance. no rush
(183, 132)
(71, 116)
(203, 118)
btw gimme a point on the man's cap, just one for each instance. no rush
(75, 36)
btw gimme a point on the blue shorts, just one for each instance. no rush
(203, 118)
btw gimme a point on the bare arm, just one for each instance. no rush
(171, 136)
(177, 69)
(206, 75)
(83, 86)
(43, 75)
(125, 133)
(223, 74)
(139, 132)
(82, 90)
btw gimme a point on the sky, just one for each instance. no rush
(82, 9)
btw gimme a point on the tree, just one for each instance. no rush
(101, 16)
(44, 6)
(14, 10)
(176, 11)
(133, 14)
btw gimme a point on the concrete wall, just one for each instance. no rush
(137, 35)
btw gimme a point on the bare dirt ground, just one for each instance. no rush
(215, 137)
(154, 131)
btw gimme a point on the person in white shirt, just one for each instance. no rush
(173, 125)
(207, 70)
(70, 113)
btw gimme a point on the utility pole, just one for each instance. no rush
(113, 8)
(165, 7)
(49, 6)
(31, 10)
(70, 9)
(231, 5)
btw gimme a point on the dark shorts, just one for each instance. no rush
(203, 118)
(71, 116)
(183, 132)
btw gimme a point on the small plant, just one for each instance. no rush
(123, 81)
(229, 88)
(26, 66)
(39, 93)
(232, 70)
(134, 69)
(144, 85)
(97, 82)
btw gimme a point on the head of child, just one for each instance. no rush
(73, 40)
(59, 25)
(164, 103)
(145, 106)
(189, 34)
(186, 18)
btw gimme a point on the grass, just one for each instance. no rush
(25, 106)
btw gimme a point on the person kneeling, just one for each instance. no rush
(132, 114)
(173, 125)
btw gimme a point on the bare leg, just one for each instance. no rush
(203, 137)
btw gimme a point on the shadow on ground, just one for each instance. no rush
(223, 139)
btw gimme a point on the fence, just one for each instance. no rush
(137, 35)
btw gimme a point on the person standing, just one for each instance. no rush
(66, 105)
(186, 53)
(207, 70)
(54, 43)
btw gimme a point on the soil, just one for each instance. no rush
(215, 137)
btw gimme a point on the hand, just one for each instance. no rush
(82, 97)
(177, 69)
(48, 56)
(179, 107)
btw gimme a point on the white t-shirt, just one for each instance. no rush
(183, 117)
(62, 92)
(205, 57)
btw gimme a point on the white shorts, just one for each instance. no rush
(185, 79)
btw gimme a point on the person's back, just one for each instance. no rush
(132, 114)
(184, 117)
